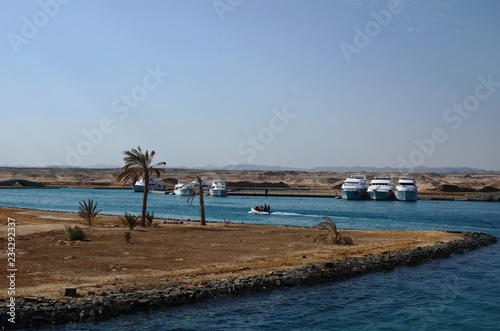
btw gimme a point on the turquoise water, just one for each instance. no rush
(458, 293)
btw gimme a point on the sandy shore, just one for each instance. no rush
(172, 253)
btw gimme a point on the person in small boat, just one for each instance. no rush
(266, 208)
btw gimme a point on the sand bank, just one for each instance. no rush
(175, 263)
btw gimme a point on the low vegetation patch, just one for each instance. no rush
(129, 221)
(127, 235)
(88, 211)
(150, 216)
(72, 233)
(333, 236)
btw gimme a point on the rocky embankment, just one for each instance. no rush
(33, 312)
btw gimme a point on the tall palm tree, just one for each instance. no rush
(202, 203)
(137, 165)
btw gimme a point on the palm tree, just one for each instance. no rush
(137, 165)
(202, 203)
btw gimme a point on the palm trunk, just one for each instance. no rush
(202, 205)
(145, 198)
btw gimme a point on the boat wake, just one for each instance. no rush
(294, 214)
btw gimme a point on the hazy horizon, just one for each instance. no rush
(262, 167)
(294, 83)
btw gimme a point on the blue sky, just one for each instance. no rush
(298, 83)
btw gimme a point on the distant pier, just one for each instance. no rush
(286, 193)
(305, 193)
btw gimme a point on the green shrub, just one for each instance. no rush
(73, 233)
(127, 235)
(88, 211)
(333, 236)
(150, 217)
(129, 221)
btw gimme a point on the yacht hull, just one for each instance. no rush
(183, 191)
(353, 195)
(138, 188)
(381, 195)
(406, 195)
(218, 192)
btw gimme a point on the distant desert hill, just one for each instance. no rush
(310, 180)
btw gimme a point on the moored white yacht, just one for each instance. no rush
(218, 188)
(381, 188)
(183, 187)
(154, 185)
(204, 183)
(354, 188)
(406, 190)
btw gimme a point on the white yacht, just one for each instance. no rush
(218, 188)
(183, 187)
(354, 188)
(204, 183)
(406, 190)
(154, 185)
(381, 188)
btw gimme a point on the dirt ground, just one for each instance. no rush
(170, 252)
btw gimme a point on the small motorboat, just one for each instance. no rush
(266, 209)
(255, 211)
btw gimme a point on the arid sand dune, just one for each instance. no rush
(429, 183)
